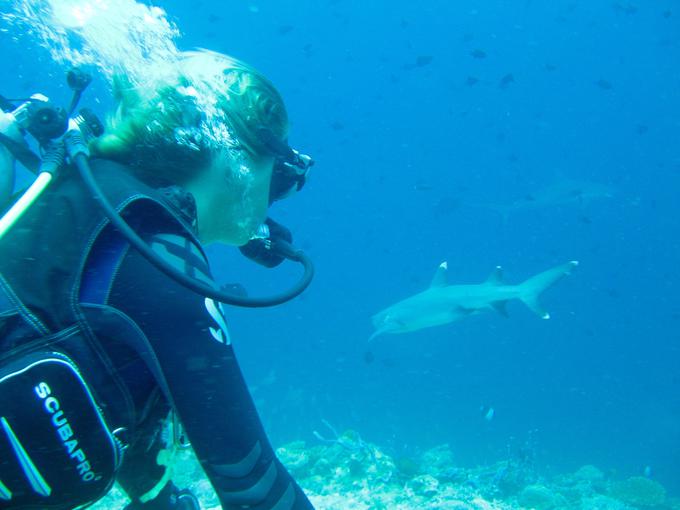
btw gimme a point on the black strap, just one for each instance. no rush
(103, 262)
(117, 325)
(105, 257)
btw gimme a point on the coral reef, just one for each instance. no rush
(341, 471)
(539, 497)
(639, 491)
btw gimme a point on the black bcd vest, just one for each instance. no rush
(53, 255)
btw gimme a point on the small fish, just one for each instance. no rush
(625, 7)
(235, 288)
(647, 471)
(506, 81)
(422, 186)
(423, 60)
(604, 84)
(470, 81)
(337, 126)
(285, 29)
(478, 54)
(487, 412)
(308, 50)
(446, 206)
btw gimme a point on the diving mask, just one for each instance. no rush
(289, 176)
(291, 167)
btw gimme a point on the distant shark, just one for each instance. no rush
(564, 192)
(442, 303)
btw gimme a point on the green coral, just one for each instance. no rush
(537, 497)
(673, 503)
(588, 473)
(424, 485)
(437, 461)
(407, 467)
(586, 480)
(638, 491)
(296, 457)
(601, 502)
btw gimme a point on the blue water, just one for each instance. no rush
(410, 154)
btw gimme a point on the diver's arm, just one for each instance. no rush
(8, 128)
(189, 337)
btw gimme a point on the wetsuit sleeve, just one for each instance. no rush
(207, 388)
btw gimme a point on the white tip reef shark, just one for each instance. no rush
(442, 303)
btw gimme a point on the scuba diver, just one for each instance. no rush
(110, 320)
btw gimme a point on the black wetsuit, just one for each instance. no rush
(184, 337)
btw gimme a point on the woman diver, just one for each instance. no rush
(98, 343)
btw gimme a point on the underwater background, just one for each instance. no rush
(482, 133)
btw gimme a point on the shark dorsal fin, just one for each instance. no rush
(496, 277)
(440, 279)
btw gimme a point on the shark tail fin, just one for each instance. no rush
(532, 288)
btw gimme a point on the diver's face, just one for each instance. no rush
(239, 205)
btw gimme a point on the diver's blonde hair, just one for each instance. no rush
(206, 106)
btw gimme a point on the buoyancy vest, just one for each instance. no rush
(56, 264)
(47, 258)
(43, 257)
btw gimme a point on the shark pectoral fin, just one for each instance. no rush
(500, 307)
(377, 333)
(496, 278)
(439, 279)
